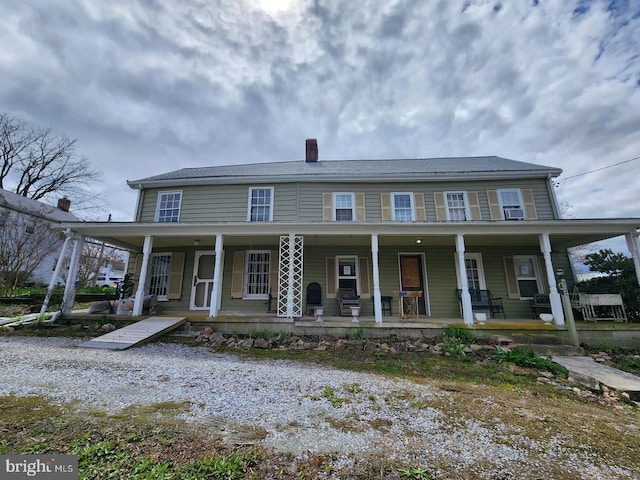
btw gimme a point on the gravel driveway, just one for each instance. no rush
(302, 407)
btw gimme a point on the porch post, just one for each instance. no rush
(554, 296)
(467, 310)
(142, 281)
(377, 299)
(69, 296)
(633, 243)
(290, 277)
(217, 279)
(56, 272)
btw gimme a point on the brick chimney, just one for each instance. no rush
(64, 204)
(312, 150)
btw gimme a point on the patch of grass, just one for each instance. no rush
(527, 358)
(629, 364)
(357, 334)
(414, 472)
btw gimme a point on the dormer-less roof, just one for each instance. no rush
(390, 170)
(18, 203)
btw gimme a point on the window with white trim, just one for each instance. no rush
(527, 275)
(343, 207)
(347, 272)
(260, 204)
(256, 276)
(159, 275)
(475, 271)
(168, 206)
(457, 207)
(511, 204)
(403, 210)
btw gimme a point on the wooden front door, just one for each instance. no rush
(412, 278)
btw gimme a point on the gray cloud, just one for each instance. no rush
(147, 86)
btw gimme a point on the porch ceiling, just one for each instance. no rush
(562, 233)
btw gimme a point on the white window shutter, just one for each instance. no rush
(361, 214)
(529, 204)
(327, 207)
(330, 271)
(441, 206)
(385, 205)
(494, 205)
(474, 205)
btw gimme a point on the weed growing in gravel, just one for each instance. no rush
(414, 472)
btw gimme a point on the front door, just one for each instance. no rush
(412, 278)
(202, 280)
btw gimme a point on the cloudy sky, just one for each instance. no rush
(148, 86)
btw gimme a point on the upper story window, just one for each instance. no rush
(457, 208)
(260, 205)
(343, 207)
(511, 204)
(403, 210)
(168, 206)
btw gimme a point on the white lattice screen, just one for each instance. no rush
(290, 276)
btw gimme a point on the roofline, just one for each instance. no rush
(612, 226)
(340, 178)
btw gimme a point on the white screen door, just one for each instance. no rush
(202, 280)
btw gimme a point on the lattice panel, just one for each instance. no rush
(290, 276)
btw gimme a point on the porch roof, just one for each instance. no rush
(562, 233)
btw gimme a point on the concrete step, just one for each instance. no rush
(593, 375)
(559, 350)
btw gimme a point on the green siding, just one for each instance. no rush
(303, 201)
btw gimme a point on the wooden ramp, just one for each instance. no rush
(135, 333)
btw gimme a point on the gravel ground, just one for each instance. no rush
(288, 400)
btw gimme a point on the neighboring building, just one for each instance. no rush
(225, 238)
(27, 217)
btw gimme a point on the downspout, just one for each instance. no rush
(554, 200)
(138, 212)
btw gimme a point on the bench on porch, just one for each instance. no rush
(540, 304)
(482, 300)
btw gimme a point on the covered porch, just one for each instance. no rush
(443, 250)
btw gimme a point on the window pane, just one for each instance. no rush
(159, 275)
(260, 205)
(257, 274)
(510, 198)
(456, 206)
(343, 204)
(169, 207)
(473, 275)
(402, 210)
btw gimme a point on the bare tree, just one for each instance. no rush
(94, 257)
(36, 162)
(24, 242)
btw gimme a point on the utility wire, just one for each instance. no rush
(596, 170)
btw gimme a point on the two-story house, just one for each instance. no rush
(226, 238)
(30, 245)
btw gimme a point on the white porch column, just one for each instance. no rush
(463, 285)
(633, 243)
(554, 296)
(69, 297)
(377, 299)
(216, 291)
(142, 281)
(56, 272)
